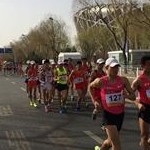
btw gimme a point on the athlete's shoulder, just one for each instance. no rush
(100, 80)
(73, 71)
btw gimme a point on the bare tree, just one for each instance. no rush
(115, 15)
(45, 40)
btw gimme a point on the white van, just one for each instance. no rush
(75, 56)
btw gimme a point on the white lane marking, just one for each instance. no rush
(17, 140)
(23, 89)
(6, 111)
(94, 137)
(13, 82)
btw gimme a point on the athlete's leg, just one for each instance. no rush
(72, 92)
(27, 89)
(59, 97)
(64, 97)
(49, 99)
(84, 95)
(113, 138)
(80, 96)
(39, 93)
(106, 144)
(53, 92)
(34, 95)
(30, 89)
(144, 127)
(49, 93)
(44, 95)
(50, 96)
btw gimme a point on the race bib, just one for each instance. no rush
(114, 99)
(63, 77)
(87, 73)
(148, 93)
(49, 79)
(78, 80)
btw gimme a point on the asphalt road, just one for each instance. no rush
(26, 128)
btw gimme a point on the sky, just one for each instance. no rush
(20, 16)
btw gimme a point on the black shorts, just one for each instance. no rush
(145, 115)
(112, 119)
(61, 87)
(38, 82)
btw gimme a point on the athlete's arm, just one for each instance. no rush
(28, 73)
(55, 75)
(130, 95)
(97, 83)
(135, 86)
(71, 77)
(92, 77)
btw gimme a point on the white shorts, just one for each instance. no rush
(47, 86)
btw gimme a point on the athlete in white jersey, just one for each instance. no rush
(46, 79)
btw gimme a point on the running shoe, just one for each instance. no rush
(78, 108)
(87, 105)
(60, 110)
(46, 109)
(97, 148)
(64, 109)
(34, 104)
(72, 98)
(31, 104)
(94, 114)
(52, 100)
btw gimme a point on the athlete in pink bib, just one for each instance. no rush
(142, 85)
(97, 73)
(112, 97)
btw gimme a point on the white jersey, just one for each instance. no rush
(48, 74)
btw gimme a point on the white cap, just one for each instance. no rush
(53, 63)
(112, 62)
(43, 61)
(32, 62)
(60, 62)
(51, 60)
(28, 62)
(100, 61)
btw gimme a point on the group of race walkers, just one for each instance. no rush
(48, 77)
(107, 90)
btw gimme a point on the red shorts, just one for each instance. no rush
(80, 86)
(32, 83)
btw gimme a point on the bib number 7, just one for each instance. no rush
(114, 99)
